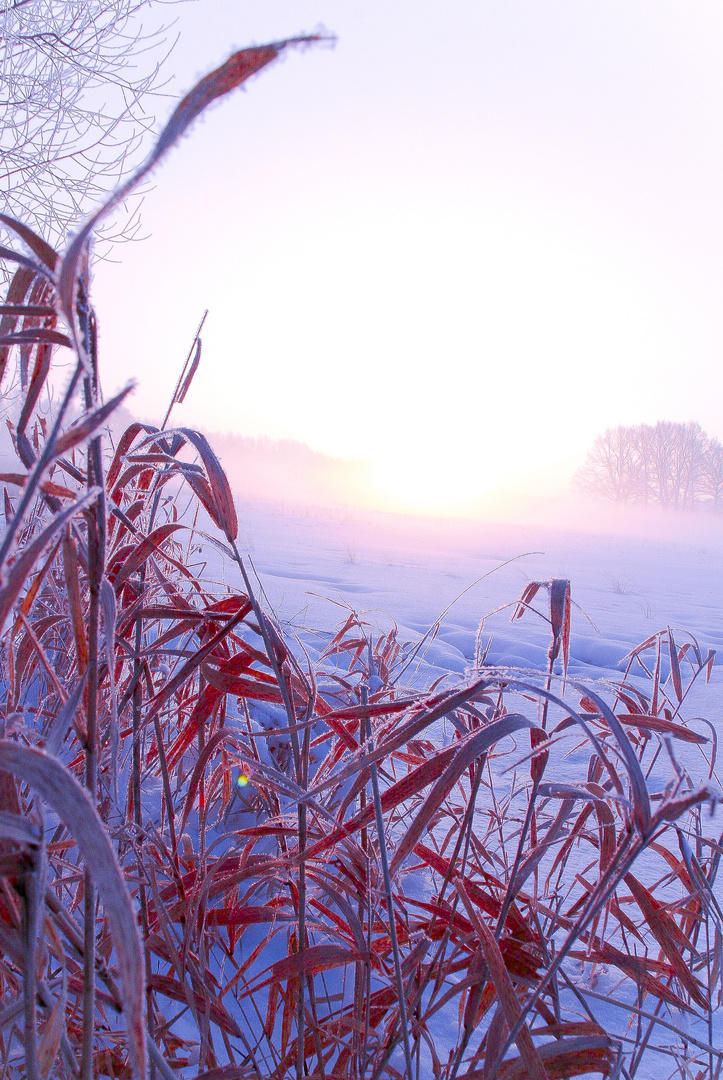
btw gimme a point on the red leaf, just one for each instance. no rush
(560, 619)
(38, 334)
(675, 667)
(528, 595)
(150, 545)
(222, 496)
(19, 571)
(37, 245)
(657, 723)
(88, 424)
(203, 708)
(314, 958)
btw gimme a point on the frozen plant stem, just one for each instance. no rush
(465, 832)
(31, 487)
(401, 994)
(605, 888)
(187, 371)
(136, 791)
(362, 976)
(96, 570)
(34, 903)
(283, 686)
(536, 772)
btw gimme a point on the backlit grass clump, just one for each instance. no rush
(219, 861)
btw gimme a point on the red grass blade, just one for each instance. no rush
(639, 789)
(220, 487)
(37, 245)
(668, 936)
(39, 334)
(20, 570)
(657, 723)
(22, 260)
(19, 288)
(150, 545)
(675, 667)
(468, 751)
(505, 990)
(560, 619)
(89, 424)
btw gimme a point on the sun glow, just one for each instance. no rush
(418, 487)
(457, 347)
(471, 266)
(440, 344)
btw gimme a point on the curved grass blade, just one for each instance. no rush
(22, 260)
(222, 495)
(469, 750)
(646, 722)
(88, 424)
(70, 802)
(236, 70)
(37, 335)
(18, 573)
(638, 787)
(505, 990)
(39, 247)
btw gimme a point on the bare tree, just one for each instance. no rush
(672, 464)
(661, 450)
(78, 77)
(712, 481)
(691, 447)
(612, 467)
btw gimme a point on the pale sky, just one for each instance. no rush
(459, 245)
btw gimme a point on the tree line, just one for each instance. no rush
(671, 464)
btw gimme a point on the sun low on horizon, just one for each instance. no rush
(459, 273)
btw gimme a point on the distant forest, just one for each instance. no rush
(671, 464)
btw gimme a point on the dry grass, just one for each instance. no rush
(458, 883)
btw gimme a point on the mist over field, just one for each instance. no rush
(289, 474)
(458, 245)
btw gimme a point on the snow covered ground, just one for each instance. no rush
(628, 580)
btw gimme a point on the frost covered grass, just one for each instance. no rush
(223, 856)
